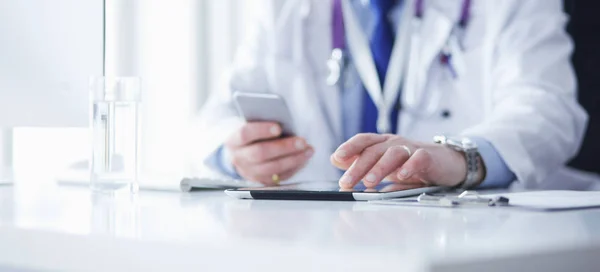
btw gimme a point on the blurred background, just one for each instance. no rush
(583, 27)
(180, 49)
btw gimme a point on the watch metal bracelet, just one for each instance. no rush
(472, 169)
(469, 148)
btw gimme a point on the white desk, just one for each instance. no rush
(67, 228)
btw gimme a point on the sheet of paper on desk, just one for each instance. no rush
(553, 200)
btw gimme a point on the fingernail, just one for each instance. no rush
(309, 153)
(403, 173)
(299, 144)
(340, 154)
(346, 179)
(370, 178)
(274, 130)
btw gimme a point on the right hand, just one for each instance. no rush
(258, 152)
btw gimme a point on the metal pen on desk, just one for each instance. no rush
(465, 198)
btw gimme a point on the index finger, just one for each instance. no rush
(253, 132)
(343, 165)
(354, 146)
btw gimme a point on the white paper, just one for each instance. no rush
(187, 184)
(553, 200)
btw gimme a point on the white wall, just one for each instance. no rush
(48, 50)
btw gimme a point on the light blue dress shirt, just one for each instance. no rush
(497, 173)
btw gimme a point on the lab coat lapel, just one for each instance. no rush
(318, 43)
(315, 103)
(428, 36)
(434, 31)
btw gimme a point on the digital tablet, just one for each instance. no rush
(330, 191)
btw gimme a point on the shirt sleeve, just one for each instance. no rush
(220, 160)
(498, 175)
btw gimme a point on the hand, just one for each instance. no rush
(258, 152)
(375, 157)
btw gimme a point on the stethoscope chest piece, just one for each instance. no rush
(335, 65)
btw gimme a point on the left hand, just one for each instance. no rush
(375, 157)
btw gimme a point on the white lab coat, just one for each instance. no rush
(518, 90)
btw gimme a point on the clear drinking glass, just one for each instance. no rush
(115, 129)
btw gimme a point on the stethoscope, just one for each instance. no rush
(345, 28)
(455, 38)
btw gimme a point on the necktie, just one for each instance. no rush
(382, 42)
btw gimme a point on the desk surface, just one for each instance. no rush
(345, 230)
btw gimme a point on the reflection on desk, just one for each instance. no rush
(409, 234)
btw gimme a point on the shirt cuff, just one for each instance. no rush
(497, 175)
(221, 160)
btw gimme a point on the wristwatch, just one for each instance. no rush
(469, 148)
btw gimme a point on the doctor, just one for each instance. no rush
(449, 92)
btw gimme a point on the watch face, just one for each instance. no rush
(462, 143)
(454, 142)
(468, 144)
